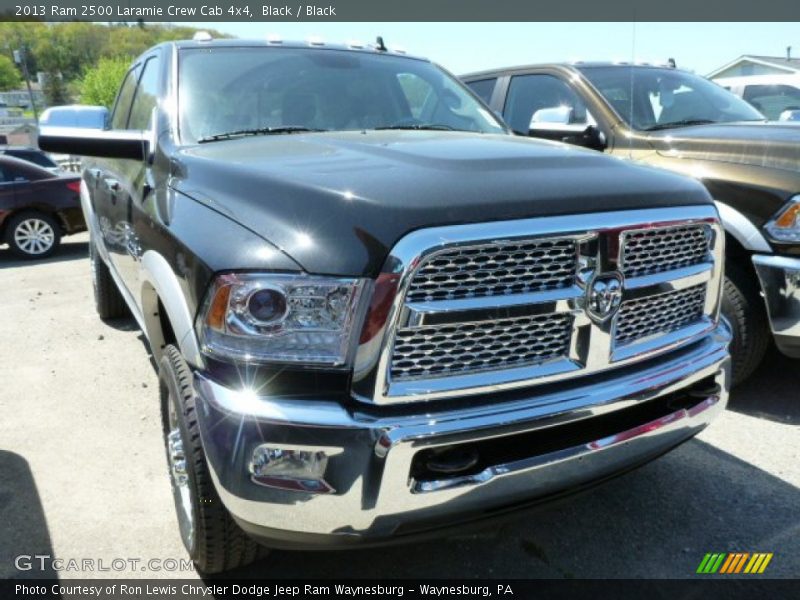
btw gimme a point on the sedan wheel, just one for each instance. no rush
(33, 235)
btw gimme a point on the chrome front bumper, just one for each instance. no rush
(371, 455)
(780, 283)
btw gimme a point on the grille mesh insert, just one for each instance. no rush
(495, 269)
(480, 345)
(650, 251)
(662, 313)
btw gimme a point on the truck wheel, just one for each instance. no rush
(108, 299)
(744, 309)
(33, 235)
(214, 541)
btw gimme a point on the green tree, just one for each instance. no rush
(55, 89)
(100, 83)
(16, 35)
(67, 50)
(9, 76)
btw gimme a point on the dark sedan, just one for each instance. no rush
(37, 208)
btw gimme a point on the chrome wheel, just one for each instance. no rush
(181, 490)
(34, 236)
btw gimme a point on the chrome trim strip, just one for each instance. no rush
(669, 281)
(512, 378)
(663, 341)
(668, 422)
(547, 301)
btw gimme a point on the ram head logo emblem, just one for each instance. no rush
(604, 295)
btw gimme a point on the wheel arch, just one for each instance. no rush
(738, 227)
(165, 313)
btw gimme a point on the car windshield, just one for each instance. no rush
(650, 98)
(238, 90)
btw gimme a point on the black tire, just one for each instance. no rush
(33, 235)
(108, 299)
(744, 308)
(217, 543)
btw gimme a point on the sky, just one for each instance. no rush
(467, 47)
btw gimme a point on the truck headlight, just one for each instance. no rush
(280, 318)
(785, 226)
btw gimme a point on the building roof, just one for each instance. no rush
(790, 65)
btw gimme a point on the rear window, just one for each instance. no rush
(37, 158)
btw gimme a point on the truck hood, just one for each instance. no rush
(337, 202)
(772, 145)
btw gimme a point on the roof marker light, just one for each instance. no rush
(316, 40)
(202, 36)
(274, 38)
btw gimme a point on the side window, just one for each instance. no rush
(416, 90)
(146, 96)
(483, 88)
(11, 174)
(772, 100)
(119, 120)
(530, 93)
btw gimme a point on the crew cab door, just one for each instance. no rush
(120, 183)
(104, 179)
(133, 177)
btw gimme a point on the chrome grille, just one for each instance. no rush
(661, 313)
(495, 269)
(648, 251)
(487, 307)
(477, 346)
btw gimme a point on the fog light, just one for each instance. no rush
(292, 470)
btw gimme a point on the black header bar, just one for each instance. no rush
(177, 11)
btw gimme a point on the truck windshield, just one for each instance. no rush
(650, 98)
(232, 90)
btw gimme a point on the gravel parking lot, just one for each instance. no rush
(82, 471)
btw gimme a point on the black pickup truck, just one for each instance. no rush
(679, 121)
(378, 314)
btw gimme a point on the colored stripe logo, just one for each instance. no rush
(734, 562)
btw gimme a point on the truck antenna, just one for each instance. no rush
(379, 45)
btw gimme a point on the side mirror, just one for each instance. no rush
(75, 115)
(555, 115)
(556, 124)
(133, 145)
